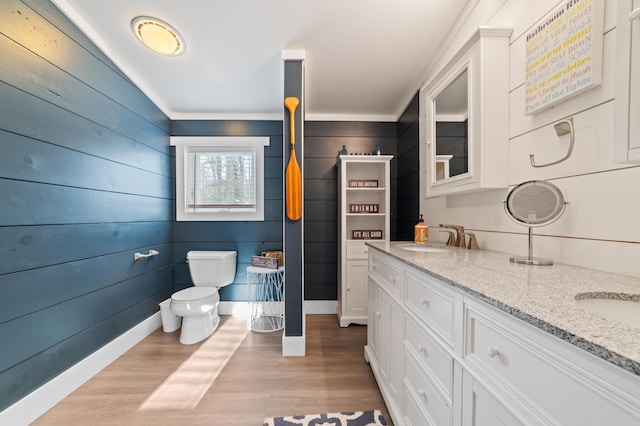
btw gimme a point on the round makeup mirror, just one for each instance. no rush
(534, 203)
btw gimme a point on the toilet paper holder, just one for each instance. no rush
(139, 256)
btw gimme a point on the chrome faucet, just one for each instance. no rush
(459, 240)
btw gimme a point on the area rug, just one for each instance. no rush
(354, 418)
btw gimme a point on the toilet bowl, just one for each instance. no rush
(198, 305)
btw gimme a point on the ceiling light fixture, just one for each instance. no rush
(158, 36)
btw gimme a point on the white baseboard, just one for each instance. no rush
(241, 309)
(46, 396)
(293, 346)
(320, 306)
(236, 309)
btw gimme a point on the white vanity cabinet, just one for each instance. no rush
(363, 214)
(461, 361)
(385, 318)
(464, 117)
(627, 102)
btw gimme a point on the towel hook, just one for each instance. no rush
(562, 128)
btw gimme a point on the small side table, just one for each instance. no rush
(266, 289)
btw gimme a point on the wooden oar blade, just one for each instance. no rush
(293, 189)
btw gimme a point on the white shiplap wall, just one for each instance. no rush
(600, 228)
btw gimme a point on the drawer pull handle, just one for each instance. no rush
(422, 349)
(422, 394)
(492, 352)
(424, 302)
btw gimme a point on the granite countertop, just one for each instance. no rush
(543, 296)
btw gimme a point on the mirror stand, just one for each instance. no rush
(530, 260)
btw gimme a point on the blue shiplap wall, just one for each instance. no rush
(408, 188)
(85, 181)
(247, 238)
(323, 142)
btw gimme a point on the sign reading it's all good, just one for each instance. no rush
(563, 54)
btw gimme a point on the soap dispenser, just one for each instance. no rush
(421, 231)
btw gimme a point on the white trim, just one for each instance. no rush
(349, 117)
(219, 141)
(184, 143)
(293, 54)
(293, 345)
(236, 309)
(46, 396)
(312, 307)
(258, 116)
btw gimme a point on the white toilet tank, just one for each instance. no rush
(212, 268)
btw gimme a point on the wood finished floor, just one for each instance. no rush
(235, 377)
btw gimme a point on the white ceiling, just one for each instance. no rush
(364, 59)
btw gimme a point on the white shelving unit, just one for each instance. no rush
(363, 215)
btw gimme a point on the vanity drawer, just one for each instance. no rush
(357, 251)
(437, 361)
(432, 303)
(420, 389)
(386, 272)
(549, 385)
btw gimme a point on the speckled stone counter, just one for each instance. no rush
(543, 296)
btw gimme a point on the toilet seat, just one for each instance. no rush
(193, 294)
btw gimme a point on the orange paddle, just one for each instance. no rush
(293, 186)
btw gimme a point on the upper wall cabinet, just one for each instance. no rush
(627, 133)
(464, 118)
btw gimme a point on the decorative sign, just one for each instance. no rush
(363, 183)
(367, 234)
(563, 54)
(264, 262)
(363, 208)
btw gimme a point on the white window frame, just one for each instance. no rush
(184, 143)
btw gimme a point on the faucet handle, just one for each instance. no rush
(473, 241)
(459, 234)
(451, 240)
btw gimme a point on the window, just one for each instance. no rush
(219, 178)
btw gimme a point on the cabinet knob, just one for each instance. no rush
(424, 302)
(378, 313)
(492, 352)
(374, 265)
(348, 288)
(635, 14)
(422, 349)
(422, 394)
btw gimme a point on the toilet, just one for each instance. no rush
(198, 305)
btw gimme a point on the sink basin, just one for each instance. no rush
(418, 247)
(624, 308)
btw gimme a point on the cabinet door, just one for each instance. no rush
(634, 83)
(389, 350)
(627, 99)
(356, 293)
(481, 408)
(372, 325)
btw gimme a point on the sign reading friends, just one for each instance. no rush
(563, 54)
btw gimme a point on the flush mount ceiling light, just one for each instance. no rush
(158, 36)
